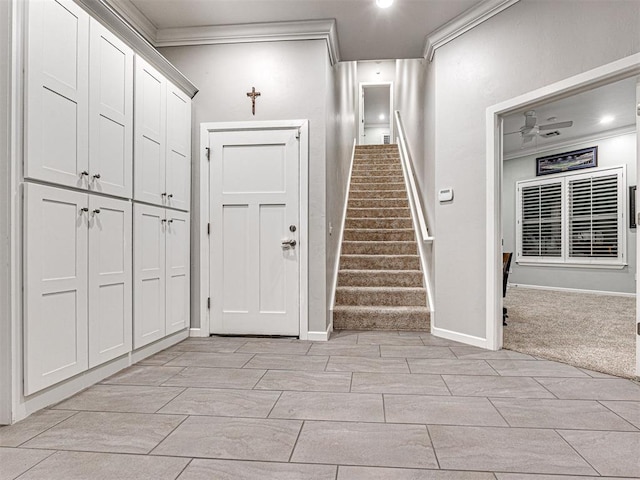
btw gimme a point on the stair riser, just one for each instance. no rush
(378, 212)
(351, 278)
(376, 235)
(378, 203)
(382, 179)
(381, 321)
(379, 248)
(373, 194)
(379, 262)
(359, 187)
(384, 298)
(375, 162)
(369, 171)
(381, 223)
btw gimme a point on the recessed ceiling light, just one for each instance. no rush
(607, 119)
(381, 116)
(384, 3)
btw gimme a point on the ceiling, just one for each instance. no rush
(365, 31)
(585, 110)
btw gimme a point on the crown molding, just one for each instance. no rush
(463, 23)
(574, 142)
(129, 12)
(111, 18)
(252, 33)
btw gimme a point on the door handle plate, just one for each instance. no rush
(289, 243)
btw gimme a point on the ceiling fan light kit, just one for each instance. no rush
(531, 129)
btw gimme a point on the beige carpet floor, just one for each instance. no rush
(584, 330)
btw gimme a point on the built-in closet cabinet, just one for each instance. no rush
(79, 101)
(162, 171)
(78, 283)
(161, 272)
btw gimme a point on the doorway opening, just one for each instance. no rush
(376, 113)
(497, 116)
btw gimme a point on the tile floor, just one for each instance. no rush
(364, 406)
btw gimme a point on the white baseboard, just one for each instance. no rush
(575, 290)
(198, 332)
(320, 336)
(459, 337)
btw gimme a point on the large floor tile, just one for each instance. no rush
(202, 469)
(415, 352)
(106, 466)
(429, 339)
(366, 444)
(379, 338)
(159, 359)
(528, 476)
(276, 348)
(143, 375)
(365, 364)
(343, 350)
(223, 403)
(630, 411)
(351, 407)
(206, 359)
(573, 414)
(450, 367)
(403, 383)
(441, 410)
(213, 345)
(288, 362)
(305, 381)
(469, 353)
(540, 368)
(381, 473)
(610, 453)
(108, 432)
(216, 378)
(489, 386)
(121, 398)
(232, 438)
(15, 461)
(18, 433)
(505, 450)
(592, 388)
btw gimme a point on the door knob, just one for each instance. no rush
(289, 243)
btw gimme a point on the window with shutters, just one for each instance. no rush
(572, 219)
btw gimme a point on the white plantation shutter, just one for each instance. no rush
(572, 219)
(594, 206)
(542, 220)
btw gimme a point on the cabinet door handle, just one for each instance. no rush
(84, 173)
(163, 194)
(170, 195)
(96, 211)
(170, 220)
(96, 176)
(84, 210)
(164, 220)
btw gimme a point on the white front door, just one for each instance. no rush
(254, 212)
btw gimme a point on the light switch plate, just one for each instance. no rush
(445, 194)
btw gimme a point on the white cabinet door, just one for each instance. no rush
(150, 134)
(55, 292)
(110, 279)
(149, 242)
(178, 148)
(177, 261)
(57, 93)
(110, 114)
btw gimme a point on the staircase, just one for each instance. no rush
(380, 281)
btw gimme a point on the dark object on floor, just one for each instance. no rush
(506, 265)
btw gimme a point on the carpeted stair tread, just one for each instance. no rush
(380, 262)
(376, 186)
(380, 278)
(378, 203)
(379, 194)
(380, 247)
(378, 212)
(375, 234)
(381, 318)
(379, 223)
(381, 296)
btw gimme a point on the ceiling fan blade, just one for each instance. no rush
(527, 138)
(553, 126)
(511, 133)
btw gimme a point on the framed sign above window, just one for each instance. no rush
(565, 162)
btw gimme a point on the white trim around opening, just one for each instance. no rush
(203, 311)
(618, 70)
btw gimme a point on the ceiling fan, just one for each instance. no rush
(531, 129)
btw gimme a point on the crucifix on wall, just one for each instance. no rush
(253, 94)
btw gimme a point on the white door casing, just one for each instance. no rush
(149, 274)
(254, 195)
(177, 271)
(57, 93)
(638, 218)
(56, 285)
(110, 279)
(110, 113)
